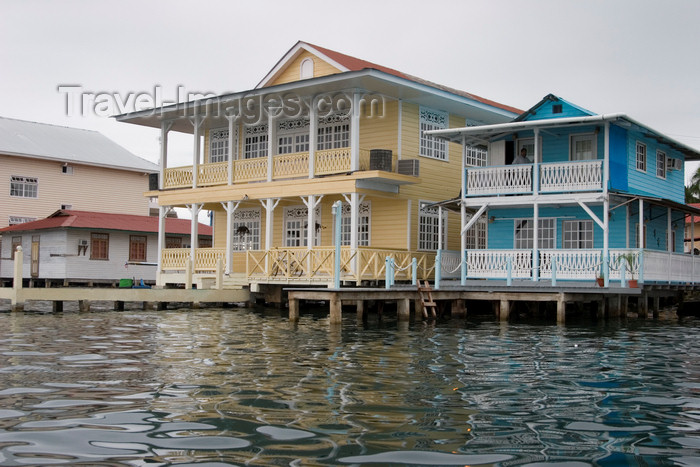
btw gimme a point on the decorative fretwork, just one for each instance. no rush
(256, 130)
(292, 125)
(436, 117)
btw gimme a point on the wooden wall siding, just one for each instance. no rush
(618, 158)
(558, 148)
(291, 73)
(65, 242)
(87, 189)
(381, 131)
(647, 182)
(546, 111)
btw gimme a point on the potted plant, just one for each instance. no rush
(600, 279)
(629, 260)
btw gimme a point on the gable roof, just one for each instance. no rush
(347, 63)
(539, 111)
(69, 219)
(69, 145)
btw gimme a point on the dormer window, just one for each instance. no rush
(306, 69)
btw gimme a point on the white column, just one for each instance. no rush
(165, 127)
(354, 212)
(355, 133)
(231, 145)
(641, 224)
(669, 235)
(536, 165)
(463, 217)
(162, 212)
(269, 205)
(313, 136)
(230, 209)
(606, 158)
(194, 229)
(271, 145)
(440, 227)
(197, 123)
(606, 238)
(535, 237)
(310, 203)
(399, 132)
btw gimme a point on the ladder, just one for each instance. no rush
(426, 298)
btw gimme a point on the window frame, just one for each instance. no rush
(477, 236)
(428, 145)
(295, 221)
(138, 248)
(255, 143)
(22, 185)
(524, 224)
(251, 219)
(582, 137)
(428, 227)
(101, 253)
(218, 145)
(333, 132)
(364, 224)
(641, 157)
(589, 227)
(661, 157)
(475, 157)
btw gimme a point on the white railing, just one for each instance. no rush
(570, 264)
(663, 266)
(508, 179)
(493, 264)
(451, 262)
(571, 176)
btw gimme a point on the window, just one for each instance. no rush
(293, 136)
(24, 187)
(246, 229)
(14, 220)
(67, 207)
(364, 214)
(218, 145)
(173, 242)
(583, 148)
(641, 157)
(137, 247)
(524, 233)
(476, 236)
(204, 242)
(255, 142)
(428, 227)
(67, 169)
(475, 157)
(306, 69)
(99, 246)
(16, 243)
(660, 164)
(529, 145)
(295, 226)
(333, 132)
(429, 145)
(577, 234)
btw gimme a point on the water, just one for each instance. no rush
(243, 387)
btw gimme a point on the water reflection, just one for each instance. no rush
(218, 387)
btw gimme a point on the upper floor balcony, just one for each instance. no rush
(526, 179)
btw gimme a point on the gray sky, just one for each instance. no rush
(639, 57)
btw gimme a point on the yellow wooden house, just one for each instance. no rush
(320, 127)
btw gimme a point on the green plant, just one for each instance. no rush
(629, 260)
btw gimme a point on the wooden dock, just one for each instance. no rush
(611, 301)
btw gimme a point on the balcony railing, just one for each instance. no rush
(554, 177)
(285, 166)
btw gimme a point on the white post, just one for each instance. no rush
(337, 212)
(640, 245)
(15, 300)
(463, 217)
(230, 209)
(440, 228)
(194, 230)
(162, 213)
(355, 133)
(606, 157)
(197, 123)
(164, 129)
(535, 239)
(313, 136)
(669, 232)
(271, 144)
(536, 165)
(606, 240)
(231, 144)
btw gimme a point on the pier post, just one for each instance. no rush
(504, 310)
(643, 305)
(16, 302)
(293, 309)
(459, 309)
(83, 306)
(403, 308)
(360, 309)
(336, 314)
(656, 306)
(118, 305)
(219, 274)
(188, 274)
(561, 309)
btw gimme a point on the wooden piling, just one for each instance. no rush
(336, 312)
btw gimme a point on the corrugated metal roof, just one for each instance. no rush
(70, 219)
(64, 144)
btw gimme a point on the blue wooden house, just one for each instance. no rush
(568, 194)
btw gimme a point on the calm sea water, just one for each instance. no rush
(244, 387)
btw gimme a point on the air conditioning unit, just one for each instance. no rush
(82, 242)
(408, 167)
(380, 159)
(674, 164)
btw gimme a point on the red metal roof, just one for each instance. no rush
(70, 219)
(692, 219)
(355, 64)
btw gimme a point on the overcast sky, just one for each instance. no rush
(639, 57)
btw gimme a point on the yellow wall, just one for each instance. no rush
(292, 71)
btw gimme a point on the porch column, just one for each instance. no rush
(231, 145)
(197, 123)
(606, 240)
(439, 228)
(230, 208)
(271, 145)
(194, 229)
(536, 166)
(640, 244)
(162, 212)
(165, 127)
(535, 237)
(311, 202)
(313, 136)
(269, 205)
(606, 157)
(669, 236)
(463, 217)
(355, 133)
